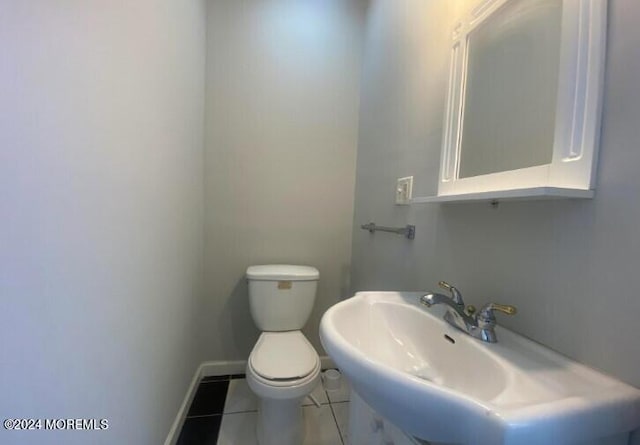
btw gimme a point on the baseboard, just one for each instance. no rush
(213, 368)
(223, 367)
(174, 432)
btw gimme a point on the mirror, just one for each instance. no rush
(523, 108)
(510, 95)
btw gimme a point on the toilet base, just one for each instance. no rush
(280, 422)
(280, 419)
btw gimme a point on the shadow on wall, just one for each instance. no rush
(242, 333)
(345, 284)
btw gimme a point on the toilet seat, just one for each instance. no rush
(283, 358)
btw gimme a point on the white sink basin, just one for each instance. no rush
(397, 357)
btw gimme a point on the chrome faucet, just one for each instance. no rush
(480, 325)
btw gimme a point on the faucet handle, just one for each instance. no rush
(487, 315)
(504, 308)
(445, 285)
(456, 296)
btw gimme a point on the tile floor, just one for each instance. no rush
(224, 411)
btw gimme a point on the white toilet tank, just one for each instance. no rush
(281, 296)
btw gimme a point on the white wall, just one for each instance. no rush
(101, 138)
(571, 267)
(281, 136)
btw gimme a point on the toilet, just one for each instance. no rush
(283, 367)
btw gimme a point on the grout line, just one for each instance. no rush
(203, 415)
(336, 422)
(313, 404)
(241, 412)
(335, 419)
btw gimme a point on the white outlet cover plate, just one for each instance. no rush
(404, 190)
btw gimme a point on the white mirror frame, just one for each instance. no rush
(578, 109)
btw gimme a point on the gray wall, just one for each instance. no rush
(571, 267)
(101, 139)
(281, 140)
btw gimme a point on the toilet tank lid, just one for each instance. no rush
(278, 272)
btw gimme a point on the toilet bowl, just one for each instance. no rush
(283, 367)
(281, 384)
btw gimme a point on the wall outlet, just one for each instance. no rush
(404, 189)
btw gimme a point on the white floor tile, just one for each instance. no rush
(341, 412)
(321, 426)
(340, 395)
(238, 429)
(240, 398)
(319, 394)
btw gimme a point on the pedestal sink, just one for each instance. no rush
(441, 385)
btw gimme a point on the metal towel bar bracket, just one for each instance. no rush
(408, 231)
